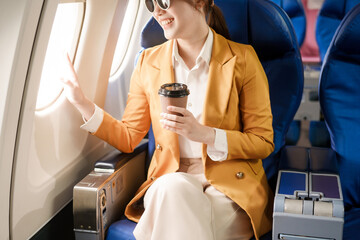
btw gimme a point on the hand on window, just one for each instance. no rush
(73, 91)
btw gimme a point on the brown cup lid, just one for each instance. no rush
(175, 90)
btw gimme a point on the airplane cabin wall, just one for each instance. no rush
(44, 153)
(18, 21)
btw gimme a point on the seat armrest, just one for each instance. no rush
(308, 196)
(115, 159)
(101, 197)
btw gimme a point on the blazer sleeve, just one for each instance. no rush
(255, 139)
(126, 134)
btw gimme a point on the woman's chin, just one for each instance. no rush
(168, 35)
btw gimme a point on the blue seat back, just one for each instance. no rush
(274, 40)
(339, 94)
(295, 11)
(331, 14)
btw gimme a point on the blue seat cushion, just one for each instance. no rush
(121, 230)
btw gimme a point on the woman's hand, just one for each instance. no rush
(73, 91)
(187, 126)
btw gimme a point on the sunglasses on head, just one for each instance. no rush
(163, 4)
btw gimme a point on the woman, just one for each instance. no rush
(206, 179)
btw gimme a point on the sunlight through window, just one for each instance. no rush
(64, 37)
(125, 35)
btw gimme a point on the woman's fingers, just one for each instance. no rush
(172, 117)
(187, 125)
(173, 124)
(180, 110)
(70, 67)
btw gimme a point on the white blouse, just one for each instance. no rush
(196, 79)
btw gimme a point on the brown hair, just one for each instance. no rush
(214, 15)
(216, 18)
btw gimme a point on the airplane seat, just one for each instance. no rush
(273, 38)
(329, 18)
(268, 29)
(295, 10)
(339, 94)
(330, 15)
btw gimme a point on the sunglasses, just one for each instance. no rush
(163, 4)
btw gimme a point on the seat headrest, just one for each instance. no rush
(296, 12)
(152, 34)
(331, 14)
(337, 9)
(261, 32)
(347, 38)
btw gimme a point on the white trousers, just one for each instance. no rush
(184, 206)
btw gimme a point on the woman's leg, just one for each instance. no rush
(230, 221)
(176, 208)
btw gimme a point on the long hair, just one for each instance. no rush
(216, 18)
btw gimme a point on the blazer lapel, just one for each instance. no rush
(220, 81)
(163, 65)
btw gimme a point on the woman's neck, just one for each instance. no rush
(189, 49)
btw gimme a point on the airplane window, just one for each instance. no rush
(64, 36)
(124, 36)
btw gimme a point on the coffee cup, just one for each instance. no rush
(173, 94)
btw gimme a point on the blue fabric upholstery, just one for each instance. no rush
(318, 134)
(295, 10)
(293, 134)
(152, 34)
(330, 16)
(121, 230)
(339, 94)
(268, 29)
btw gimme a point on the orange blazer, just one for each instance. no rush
(237, 101)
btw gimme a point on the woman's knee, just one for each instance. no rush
(179, 181)
(176, 185)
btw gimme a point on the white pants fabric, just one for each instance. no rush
(184, 206)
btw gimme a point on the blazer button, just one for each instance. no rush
(239, 175)
(158, 147)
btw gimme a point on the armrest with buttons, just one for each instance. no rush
(308, 202)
